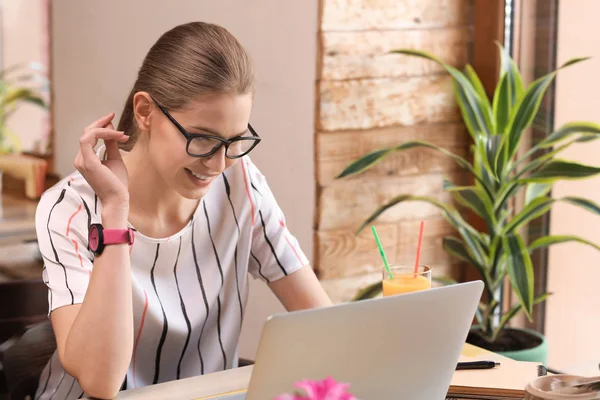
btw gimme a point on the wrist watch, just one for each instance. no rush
(99, 237)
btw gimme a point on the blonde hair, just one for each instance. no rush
(189, 60)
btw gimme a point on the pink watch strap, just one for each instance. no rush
(116, 236)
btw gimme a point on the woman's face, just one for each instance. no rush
(224, 115)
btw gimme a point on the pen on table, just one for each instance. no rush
(477, 365)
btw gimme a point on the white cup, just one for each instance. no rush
(539, 389)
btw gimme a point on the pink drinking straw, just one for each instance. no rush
(419, 249)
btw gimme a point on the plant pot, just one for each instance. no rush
(517, 344)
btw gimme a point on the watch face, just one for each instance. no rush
(94, 237)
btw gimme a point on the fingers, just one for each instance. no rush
(102, 122)
(112, 150)
(104, 133)
(88, 141)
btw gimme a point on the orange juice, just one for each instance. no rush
(405, 283)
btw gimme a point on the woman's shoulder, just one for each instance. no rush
(246, 172)
(244, 179)
(73, 188)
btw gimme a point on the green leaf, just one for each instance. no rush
(476, 82)
(573, 61)
(368, 292)
(507, 192)
(525, 111)
(455, 218)
(365, 162)
(556, 239)
(514, 311)
(458, 159)
(591, 130)
(583, 203)
(36, 100)
(456, 247)
(535, 209)
(479, 313)
(528, 107)
(587, 132)
(560, 169)
(504, 216)
(539, 161)
(502, 105)
(541, 205)
(482, 97)
(474, 112)
(535, 190)
(15, 95)
(495, 255)
(370, 159)
(509, 68)
(474, 198)
(491, 146)
(520, 271)
(13, 138)
(469, 234)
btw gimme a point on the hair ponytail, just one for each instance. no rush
(127, 123)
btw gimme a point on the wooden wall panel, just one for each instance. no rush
(348, 15)
(336, 150)
(374, 103)
(342, 253)
(347, 203)
(366, 54)
(369, 99)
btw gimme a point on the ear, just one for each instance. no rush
(142, 109)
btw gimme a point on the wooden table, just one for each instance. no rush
(214, 385)
(19, 253)
(199, 387)
(17, 219)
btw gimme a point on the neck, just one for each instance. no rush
(150, 198)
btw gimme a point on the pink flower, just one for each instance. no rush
(327, 389)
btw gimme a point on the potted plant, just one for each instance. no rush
(22, 83)
(18, 84)
(500, 173)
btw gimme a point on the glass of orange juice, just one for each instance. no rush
(404, 279)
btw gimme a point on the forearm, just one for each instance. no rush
(300, 290)
(99, 344)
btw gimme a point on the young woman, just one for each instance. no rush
(148, 246)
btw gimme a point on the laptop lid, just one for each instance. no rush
(398, 347)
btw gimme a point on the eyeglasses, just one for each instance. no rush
(201, 145)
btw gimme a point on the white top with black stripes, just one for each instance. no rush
(189, 290)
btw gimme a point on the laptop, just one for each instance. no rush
(398, 347)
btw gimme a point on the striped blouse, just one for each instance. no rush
(189, 289)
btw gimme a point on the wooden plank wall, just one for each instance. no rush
(368, 99)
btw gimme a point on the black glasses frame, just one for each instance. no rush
(223, 142)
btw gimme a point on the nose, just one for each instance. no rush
(216, 162)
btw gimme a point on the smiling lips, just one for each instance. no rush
(200, 180)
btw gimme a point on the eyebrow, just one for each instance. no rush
(215, 133)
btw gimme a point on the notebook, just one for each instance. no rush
(507, 381)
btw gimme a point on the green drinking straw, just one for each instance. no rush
(385, 262)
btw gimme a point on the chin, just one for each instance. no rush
(193, 194)
(193, 189)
